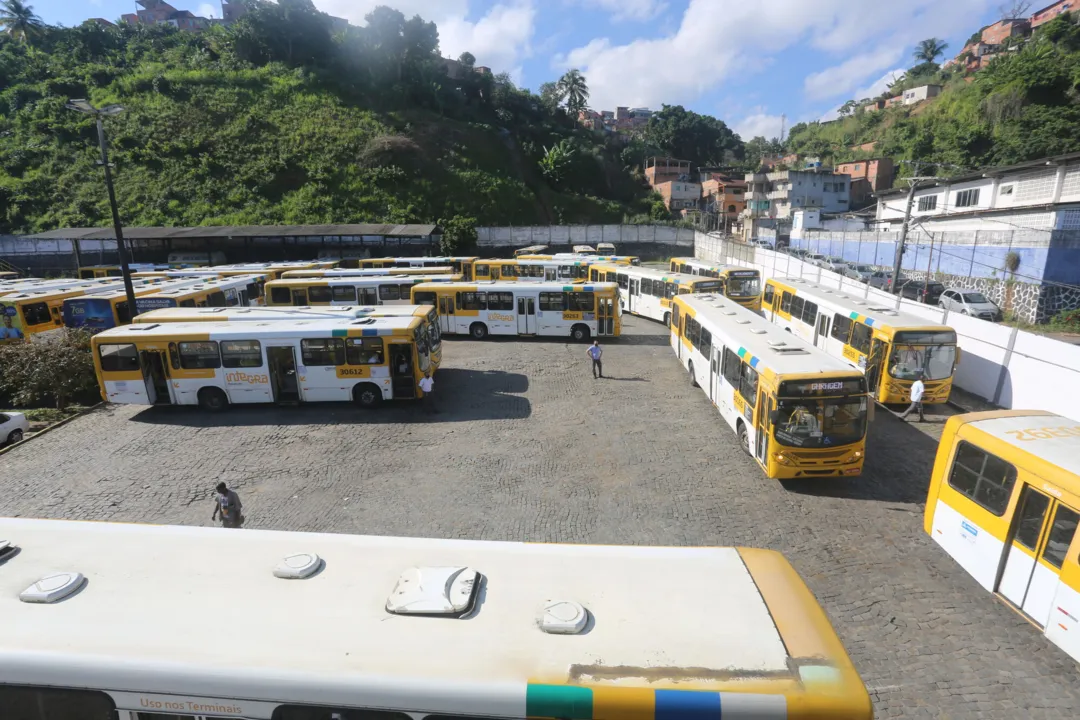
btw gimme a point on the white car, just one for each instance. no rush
(969, 302)
(13, 427)
(836, 264)
(815, 259)
(759, 242)
(859, 272)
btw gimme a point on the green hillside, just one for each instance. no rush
(1024, 105)
(279, 120)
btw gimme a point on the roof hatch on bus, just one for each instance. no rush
(53, 588)
(299, 566)
(563, 617)
(144, 328)
(442, 591)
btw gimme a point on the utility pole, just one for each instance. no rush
(915, 183)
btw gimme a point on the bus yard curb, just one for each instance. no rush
(50, 428)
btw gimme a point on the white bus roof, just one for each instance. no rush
(271, 328)
(712, 265)
(198, 603)
(495, 285)
(356, 280)
(290, 312)
(209, 284)
(880, 313)
(652, 273)
(778, 350)
(1063, 452)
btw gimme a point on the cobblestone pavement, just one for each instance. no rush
(529, 447)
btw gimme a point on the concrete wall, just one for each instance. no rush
(1001, 364)
(626, 235)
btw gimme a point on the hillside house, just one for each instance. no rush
(1048, 13)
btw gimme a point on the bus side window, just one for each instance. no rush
(674, 266)
(732, 368)
(622, 278)
(841, 329)
(769, 294)
(981, 477)
(785, 302)
(34, 703)
(860, 338)
(748, 384)
(675, 317)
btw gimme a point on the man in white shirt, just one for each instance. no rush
(596, 352)
(427, 386)
(917, 390)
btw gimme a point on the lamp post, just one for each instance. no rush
(86, 108)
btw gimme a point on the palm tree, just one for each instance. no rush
(572, 86)
(18, 20)
(930, 50)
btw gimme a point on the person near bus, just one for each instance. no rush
(427, 386)
(227, 504)
(596, 352)
(917, 390)
(8, 331)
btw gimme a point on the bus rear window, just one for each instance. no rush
(118, 358)
(35, 314)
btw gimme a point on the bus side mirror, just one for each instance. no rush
(774, 417)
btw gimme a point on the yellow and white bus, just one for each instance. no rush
(271, 314)
(370, 272)
(8, 275)
(480, 309)
(1004, 502)
(530, 270)
(231, 291)
(90, 272)
(97, 311)
(741, 284)
(348, 290)
(31, 311)
(892, 347)
(647, 292)
(272, 270)
(462, 265)
(616, 259)
(797, 411)
(217, 364)
(553, 637)
(14, 287)
(584, 250)
(530, 250)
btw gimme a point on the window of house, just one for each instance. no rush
(967, 198)
(472, 301)
(323, 351)
(857, 168)
(927, 203)
(241, 354)
(551, 302)
(1006, 190)
(364, 351)
(199, 355)
(984, 478)
(841, 328)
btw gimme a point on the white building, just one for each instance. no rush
(1038, 195)
(778, 194)
(917, 95)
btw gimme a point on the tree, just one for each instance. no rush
(1014, 10)
(19, 21)
(573, 88)
(459, 235)
(556, 160)
(467, 59)
(58, 370)
(551, 95)
(847, 108)
(686, 135)
(930, 50)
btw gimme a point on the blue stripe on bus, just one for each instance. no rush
(369, 332)
(869, 321)
(687, 705)
(754, 362)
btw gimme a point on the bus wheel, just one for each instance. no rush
(367, 395)
(693, 380)
(213, 399)
(478, 331)
(580, 333)
(667, 319)
(14, 437)
(744, 437)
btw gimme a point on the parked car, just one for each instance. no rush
(970, 302)
(925, 292)
(882, 280)
(760, 242)
(13, 426)
(834, 263)
(797, 252)
(859, 272)
(814, 259)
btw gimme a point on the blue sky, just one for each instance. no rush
(745, 61)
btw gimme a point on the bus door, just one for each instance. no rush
(714, 372)
(494, 271)
(821, 332)
(761, 432)
(57, 315)
(402, 371)
(551, 273)
(284, 382)
(526, 316)
(605, 316)
(446, 314)
(632, 297)
(1042, 532)
(299, 298)
(155, 370)
(874, 364)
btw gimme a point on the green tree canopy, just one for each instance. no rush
(930, 50)
(683, 134)
(19, 21)
(573, 88)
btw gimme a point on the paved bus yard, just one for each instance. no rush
(528, 446)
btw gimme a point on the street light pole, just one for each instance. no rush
(125, 267)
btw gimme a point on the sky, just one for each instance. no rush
(747, 62)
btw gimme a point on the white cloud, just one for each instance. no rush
(639, 10)
(843, 78)
(499, 39)
(715, 40)
(759, 123)
(207, 10)
(880, 85)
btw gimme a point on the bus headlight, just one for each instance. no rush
(783, 459)
(857, 455)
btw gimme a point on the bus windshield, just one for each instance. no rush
(743, 286)
(923, 353)
(709, 286)
(817, 423)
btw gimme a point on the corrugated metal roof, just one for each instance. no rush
(224, 231)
